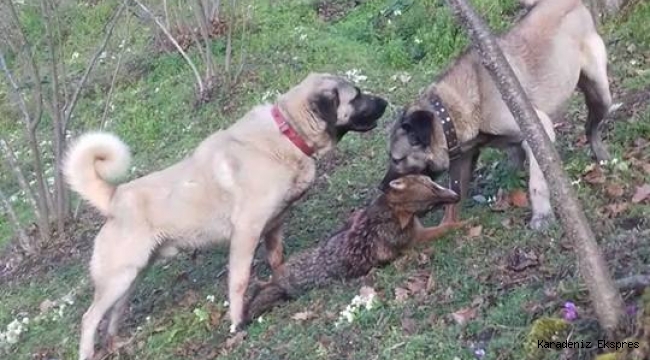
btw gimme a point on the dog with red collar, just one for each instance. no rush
(235, 188)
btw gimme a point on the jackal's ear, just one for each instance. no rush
(418, 126)
(397, 184)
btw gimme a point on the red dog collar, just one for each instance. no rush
(287, 130)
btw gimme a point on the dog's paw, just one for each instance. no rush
(541, 222)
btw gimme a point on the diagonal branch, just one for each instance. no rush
(199, 82)
(91, 65)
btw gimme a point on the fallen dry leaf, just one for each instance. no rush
(366, 292)
(518, 198)
(464, 315)
(303, 316)
(215, 318)
(594, 175)
(520, 260)
(581, 141)
(613, 210)
(408, 325)
(418, 282)
(401, 295)
(190, 298)
(475, 231)
(641, 193)
(614, 190)
(233, 342)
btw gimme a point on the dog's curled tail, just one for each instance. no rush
(92, 160)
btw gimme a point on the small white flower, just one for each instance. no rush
(260, 319)
(210, 298)
(226, 304)
(417, 41)
(26, 321)
(75, 55)
(397, 12)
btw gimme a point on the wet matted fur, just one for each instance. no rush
(234, 187)
(553, 49)
(373, 236)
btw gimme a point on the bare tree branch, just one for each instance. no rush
(199, 81)
(31, 61)
(199, 13)
(604, 295)
(91, 64)
(228, 60)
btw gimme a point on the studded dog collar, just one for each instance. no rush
(448, 128)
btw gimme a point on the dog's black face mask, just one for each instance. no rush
(368, 109)
(410, 152)
(347, 109)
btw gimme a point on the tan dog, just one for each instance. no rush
(552, 49)
(235, 186)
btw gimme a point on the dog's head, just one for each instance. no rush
(328, 104)
(410, 147)
(411, 195)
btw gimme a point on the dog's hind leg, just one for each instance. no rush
(540, 197)
(114, 317)
(274, 248)
(594, 84)
(108, 290)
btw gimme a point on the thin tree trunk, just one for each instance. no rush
(199, 13)
(30, 134)
(23, 239)
(12, 163)
(56, 110)
(604, 295)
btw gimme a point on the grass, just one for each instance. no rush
(154, 115)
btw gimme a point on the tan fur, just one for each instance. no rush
(552, 50)
(235, 187)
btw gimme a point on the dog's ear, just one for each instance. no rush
(419, 127)
(326, 104)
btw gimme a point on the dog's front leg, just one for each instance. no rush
(242, 249)
(540, 198)
(460, 170)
